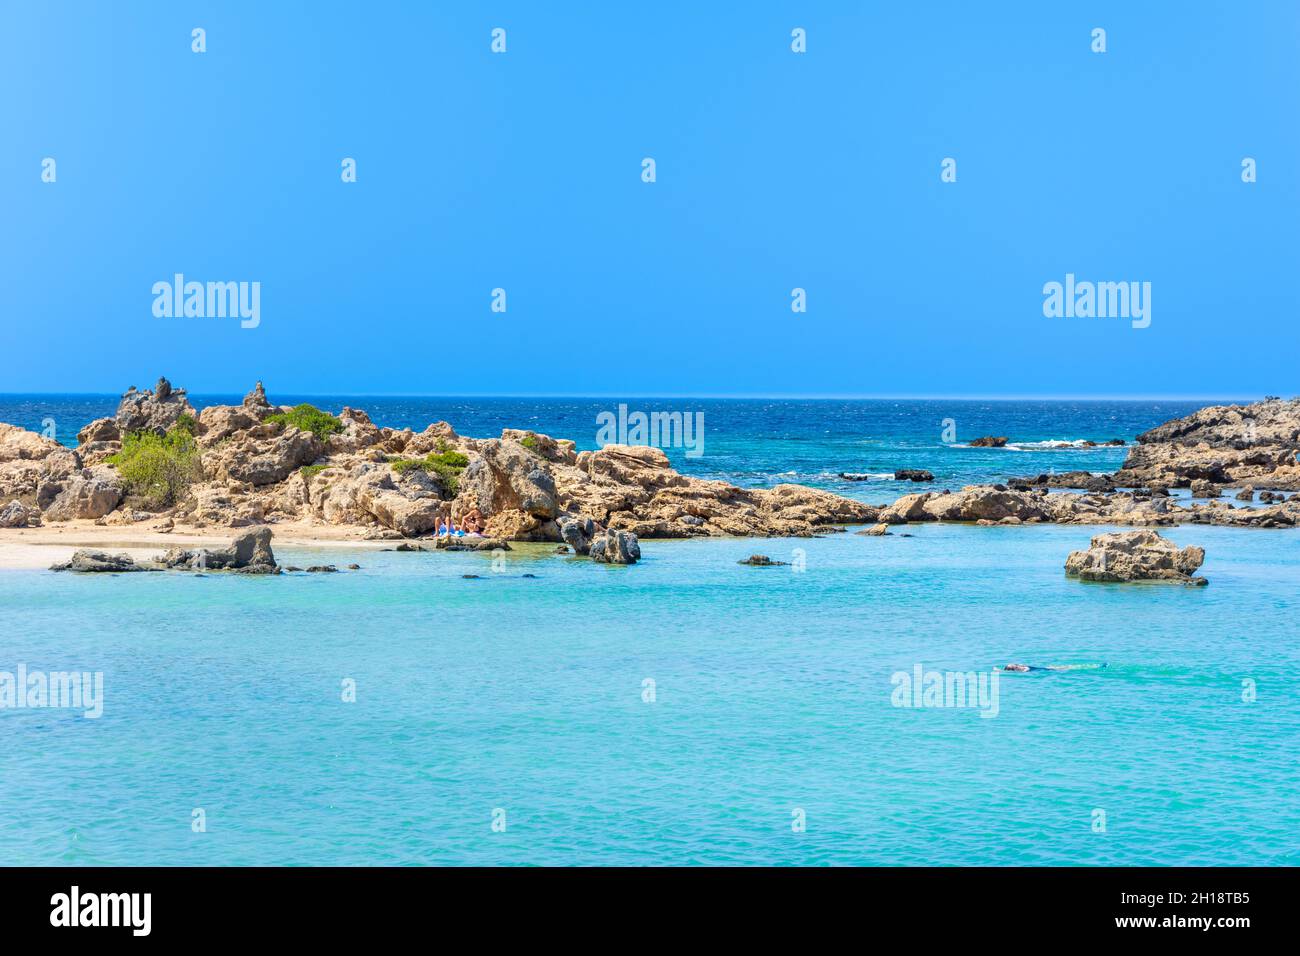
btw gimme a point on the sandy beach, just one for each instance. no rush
(33, 548)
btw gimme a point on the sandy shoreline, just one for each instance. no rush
(36, 548)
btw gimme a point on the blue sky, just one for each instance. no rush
(775, 170)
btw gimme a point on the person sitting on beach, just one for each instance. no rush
(472, 522)
(447, 524)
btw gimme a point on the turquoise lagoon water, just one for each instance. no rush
(772, 695)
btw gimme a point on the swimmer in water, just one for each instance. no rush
(1027, 668)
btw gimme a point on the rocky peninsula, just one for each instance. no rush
(257, 463)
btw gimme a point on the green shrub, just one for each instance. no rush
(309, 470)
(447, 465)
(159, 469)
(529, 442)
(309, 418)
(186, 423)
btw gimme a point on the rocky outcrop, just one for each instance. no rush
(1136, 556)
(988, 441)
(250, 553)
(527, 486)
(913, 474)
(153, 410)
(263, 454)
(18, 515)
(32, 466)
(91, 561)
(615, 547)
(762, 561)
(1230, 445)
(92, 493)
(1079, 480)
(1205, 489)
(1000, 504)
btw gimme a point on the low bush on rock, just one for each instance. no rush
(308, 418)
(159, 469)
(447, 465)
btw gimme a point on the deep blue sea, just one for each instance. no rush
(687, 709)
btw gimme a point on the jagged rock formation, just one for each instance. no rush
(1136, 556)
(1230, 445)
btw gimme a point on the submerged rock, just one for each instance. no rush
(1136, 556)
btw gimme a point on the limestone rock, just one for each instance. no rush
(249, 553)
(155, 411)
(88, 561)
(91, 494)
(1135, 556)
(615, 547)
(1229, 445)
(18, 515)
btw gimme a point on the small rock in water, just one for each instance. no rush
(90, 561)
(354, 567)
(876, 530)
(1136, 556)
(913, 474)
(322, 569)
(615, 547)
(761, 561)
